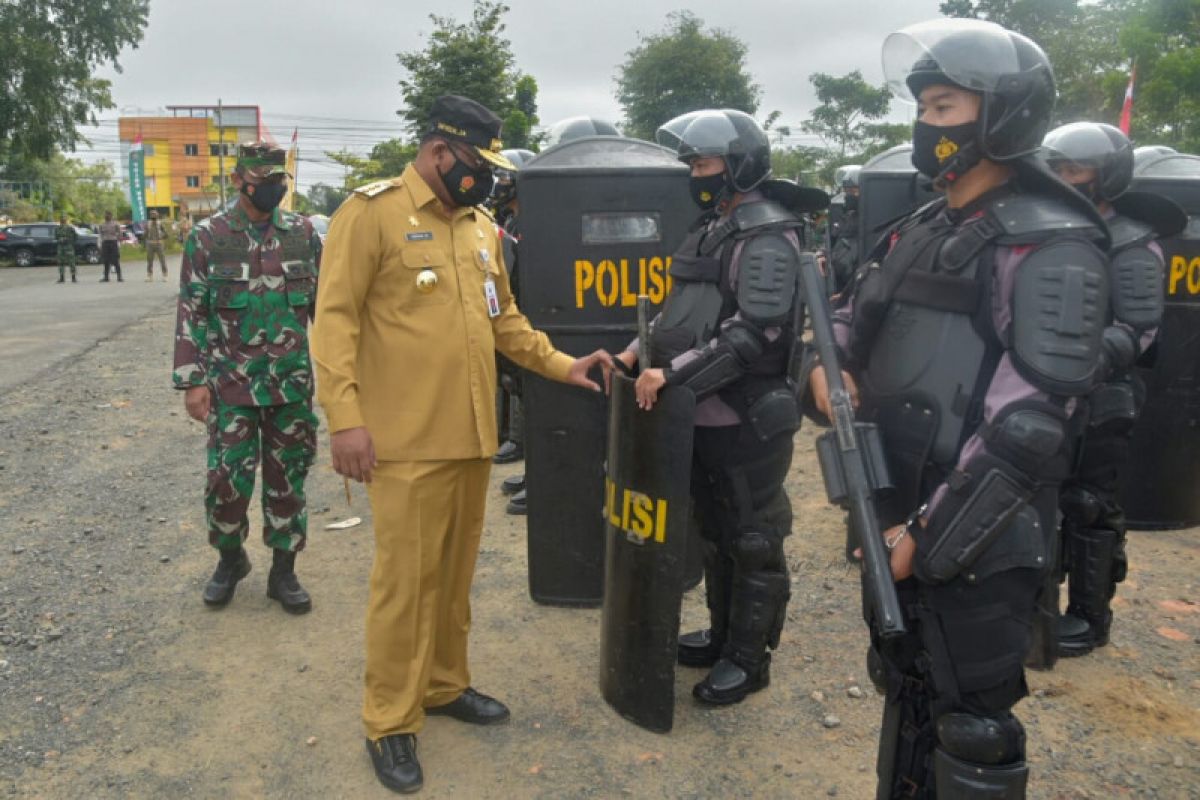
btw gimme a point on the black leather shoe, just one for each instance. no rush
(517, 504)
(472, 707)
(282, 584)
(512, 484)
(729, 682)
(395, 760)
(509, 453)
(698, 649)
(230, 569)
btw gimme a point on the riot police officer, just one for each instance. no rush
(1098, 160)
(844, 251)
(576, 128)
(509, 411)
(726, 332)
(973, 329)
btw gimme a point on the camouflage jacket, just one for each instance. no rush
(245, 301)
(65, 235)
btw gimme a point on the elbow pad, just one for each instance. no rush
(722, 363)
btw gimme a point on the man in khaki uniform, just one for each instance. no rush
(413, 304)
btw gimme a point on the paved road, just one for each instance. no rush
(43, 323)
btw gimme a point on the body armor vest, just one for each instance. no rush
(701, 297)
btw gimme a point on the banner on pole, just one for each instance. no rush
(137, 180)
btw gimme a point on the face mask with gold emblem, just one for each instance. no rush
(935, 148)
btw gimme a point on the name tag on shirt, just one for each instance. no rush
(493, 302)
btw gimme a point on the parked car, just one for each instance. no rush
(29, 243)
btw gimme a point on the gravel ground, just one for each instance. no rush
(116, 681)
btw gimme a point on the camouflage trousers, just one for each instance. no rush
(286, 438)
(66, 258)
(155, 250)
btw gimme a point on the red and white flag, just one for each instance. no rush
(1127, 106)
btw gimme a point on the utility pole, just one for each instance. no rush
(221, 152)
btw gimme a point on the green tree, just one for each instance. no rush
(847, 104)
(50, 51)
(681, 69)
(386, 160)
(323, 199)
(67, 185)
(472, 59)
(1162, 37)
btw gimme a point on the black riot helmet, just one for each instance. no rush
(504, 189)
(846, 177)
(1009, 71)
(578, 127)
(731, 135)
(1096, 145)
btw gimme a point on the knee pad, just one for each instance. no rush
(998, 739)
(754, 551)
(1080, 505)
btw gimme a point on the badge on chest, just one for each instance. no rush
(493, 300)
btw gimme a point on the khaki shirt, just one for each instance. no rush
(418, 368)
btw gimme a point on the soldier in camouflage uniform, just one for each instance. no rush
(247, 288)
(66, 235)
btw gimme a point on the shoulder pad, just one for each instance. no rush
(377, 188)
(768, 274)
(749, 216)
(1136, 281)
(1060, 306)
(1127, 232)
(1031, 218)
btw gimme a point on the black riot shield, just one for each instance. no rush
(600, 218)
(647, 508)
(1160, 483)
(889, 187)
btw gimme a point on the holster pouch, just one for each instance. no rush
(829, 456)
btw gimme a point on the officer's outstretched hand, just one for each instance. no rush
(353, 454)
(648, 385)
(820, 390)
(578, 374)
(198, 401)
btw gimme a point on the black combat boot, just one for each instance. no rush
(233, 566)
(517, 504)
(510, 452)
(757, 609)
(703, 648)
(512, 484)
(283, 586)
(1091, 555)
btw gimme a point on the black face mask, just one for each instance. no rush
(707, 191)
(850, 202)
(266, 195)
(1087, 189)
(934, 149)
(466, 186)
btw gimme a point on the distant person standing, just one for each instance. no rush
(156, 238)
(66, 235)
(110, 246)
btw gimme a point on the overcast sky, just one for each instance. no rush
(331, 68)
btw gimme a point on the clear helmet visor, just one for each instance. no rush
(971, 53)
(698, 133)
(1080, 142)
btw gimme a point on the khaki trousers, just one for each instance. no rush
(428, 520)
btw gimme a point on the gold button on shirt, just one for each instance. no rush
(410, 357)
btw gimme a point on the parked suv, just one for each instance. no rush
(32, 242)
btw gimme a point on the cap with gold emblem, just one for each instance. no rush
(461, 118)
(261, 159)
